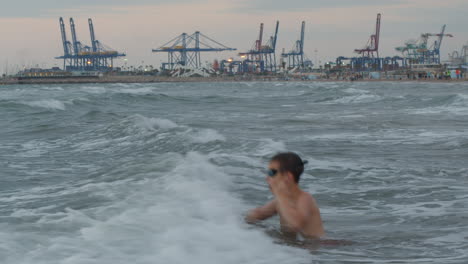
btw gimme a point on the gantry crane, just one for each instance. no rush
(262, 56)
(371, 50)
(295, 57)
(421, 52)
(459, 58)
(185, 50)
(80, 57)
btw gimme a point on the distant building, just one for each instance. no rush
(43, 73)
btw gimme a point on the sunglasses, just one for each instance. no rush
(271, 172)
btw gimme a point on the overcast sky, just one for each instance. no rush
(30, 33)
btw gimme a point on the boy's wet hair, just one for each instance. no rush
(290, 162)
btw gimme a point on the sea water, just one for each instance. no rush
(165, 172)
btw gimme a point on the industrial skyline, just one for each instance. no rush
(30, 34)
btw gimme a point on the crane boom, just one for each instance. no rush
(260, 38)
(377, 33)
(80, 57)
(373, 44)
(276, 36)
(66, 51)
(441, 37)
(302, 37)
(93, 36)
(75, 41)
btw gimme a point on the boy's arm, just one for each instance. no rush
(262, 213)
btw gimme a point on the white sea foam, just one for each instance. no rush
(93, 144)
(338, 136)
(330, 85)
(458, 106)
(149, 123)
(269, 147)
(35, 148)
(448, 137)
(333, 164)
(47, 104)
(461, 100)
(132, 129)
(360, 98)
(187, 216)
(137, 91)
(395, 136)
(422, 209)
(127, 85)
(207, 135)
(53, 88)
(355, 91)
(455, 236)
(94, 89)
(248, 84)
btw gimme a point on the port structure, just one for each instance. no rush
(185, 50)
(371, 49)
(295, 57)
(421, 52)
(360, 64)
(459, 58)
(370, 59)
(261, 57)
(80, 57)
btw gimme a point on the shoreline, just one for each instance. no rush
(159, 79)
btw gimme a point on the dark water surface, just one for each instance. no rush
(163, 173)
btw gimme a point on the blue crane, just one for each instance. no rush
(93, 36)
(421, 52)
(79, 57)
(99, 56)
(185, 50)
(67, 47)
(78, 48)
(271, 60)
(295, 57)
(262, 54)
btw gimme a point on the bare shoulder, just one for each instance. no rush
(307, 200)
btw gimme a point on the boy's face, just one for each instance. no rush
(274, 170)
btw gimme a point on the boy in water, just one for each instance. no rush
(297, 209)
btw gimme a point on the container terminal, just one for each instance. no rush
(418, 59)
